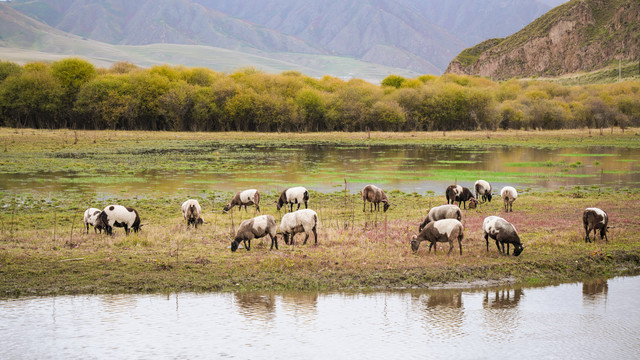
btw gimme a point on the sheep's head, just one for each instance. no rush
(199, 221)
(226, 208)
(489, 196)
(386, 206)
(234, 245)
(279, 204)
(473, 203)
(517, 249)
(415, 244)
(285, 237)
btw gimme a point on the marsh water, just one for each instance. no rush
(324, 168)
(592, 320)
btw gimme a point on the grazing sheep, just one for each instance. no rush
(502, 232)
(449, 211)
(461, 195)
(119, 216)
(246, 198)
(509, 195)
(445, 230)
(294, 195)
(375, 196)
(483, 188)
(305, 220)
(255, 228)
(191, 211)
(595, 219)
(91, 218)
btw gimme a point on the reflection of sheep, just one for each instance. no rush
(255, 228)
(445, 230)
(448, 211)
(305, 220)
(294, 195)
(119, 216)
(191, 211)
(509, 195)
(247, 197)
(375, 196)
(91, 218)
(595, 219)
(483, 189)
(502, 232)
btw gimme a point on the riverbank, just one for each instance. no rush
(44, 250)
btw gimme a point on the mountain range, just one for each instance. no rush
(580, 35)
(402, 36)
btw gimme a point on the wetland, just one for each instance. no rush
(48, 178)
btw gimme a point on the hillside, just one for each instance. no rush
(581, 35)
(419, 36)
(23, 39)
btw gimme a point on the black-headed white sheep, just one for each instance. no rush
(255, 228)
(246, 198)
(301, 221)
(509, 195)
(461, 195)
(91, 218)
(192, 212)
(119, 216)
(375, 196)
(446, 230)
(483, 190)
(503, 232)
(595, 219)
(294, 195)
(449, 211)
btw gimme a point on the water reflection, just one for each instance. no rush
(323, 167)
(443, 313)
(460, 324)
(595, 290)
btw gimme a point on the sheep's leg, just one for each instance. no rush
(460, 244)
(498, 246)
(305, 205)
(364, 206)
(274, 240)
(257, 208)
(486, 238)
(603, 235)
(298, 206)
(507, 248)
(88, 229)
(430, 246)
(305, 238)
(126, 229)
(315, 234)
(450, 247)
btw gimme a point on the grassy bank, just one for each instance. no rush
(44, 251)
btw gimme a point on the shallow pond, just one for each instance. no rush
(210, 166)
(591, 320)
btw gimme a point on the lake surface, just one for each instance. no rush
(410, 168)
(592, 320)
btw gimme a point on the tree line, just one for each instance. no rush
(72, 93)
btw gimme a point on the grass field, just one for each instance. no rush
(45, 251)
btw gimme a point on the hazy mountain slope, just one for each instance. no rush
(23, 39)
(422, 35)
(580, 35)
(158, 21)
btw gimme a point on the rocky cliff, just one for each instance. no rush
(581, 35)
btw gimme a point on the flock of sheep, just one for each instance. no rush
(442, 223)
